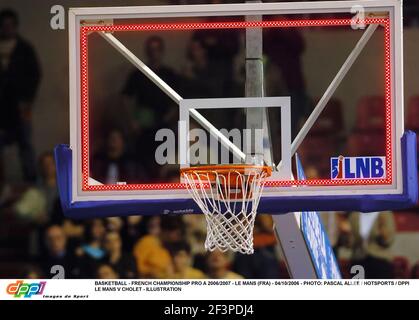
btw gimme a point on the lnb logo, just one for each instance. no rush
(26, 290)
(357, 167)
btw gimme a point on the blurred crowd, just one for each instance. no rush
(210, 71)
(35, 235)
(146, 247)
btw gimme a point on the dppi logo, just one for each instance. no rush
(27, 290)
(357, 167)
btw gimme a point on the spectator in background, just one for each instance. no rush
(201, 75)
(411, 13)
(204, 78)
(91, 252)
(114, 224)
(48, 180)
(173, 230)
(114, 164)
(415, 271)
(93, 246)
(131, 231)
(122, 263)
(182, 262)
(58, 253)
(218, 266)
(348, 245)
(150, 225)
(6, 191)
(196, 231)
(153, 258)
(105, 271)
(263, 263)
(284, 48)
(74, 230)
(379, 257)
(33, 272)
(37, 203)
(31, 207)
(401, 268)
(19, 81)
(221, 47)
(152, 107)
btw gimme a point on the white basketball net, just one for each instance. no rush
(229, 198)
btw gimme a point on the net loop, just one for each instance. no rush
(229, 197)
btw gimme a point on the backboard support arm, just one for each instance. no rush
(332, 87)
(256, 119)
(150, 74)
(287, 226)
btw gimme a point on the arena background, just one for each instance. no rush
(28, 236)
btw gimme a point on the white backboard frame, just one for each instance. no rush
(77, 15)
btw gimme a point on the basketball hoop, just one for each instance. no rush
(229, 196)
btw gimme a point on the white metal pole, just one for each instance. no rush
(332, 87)
(141, 66)
(256, 118)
